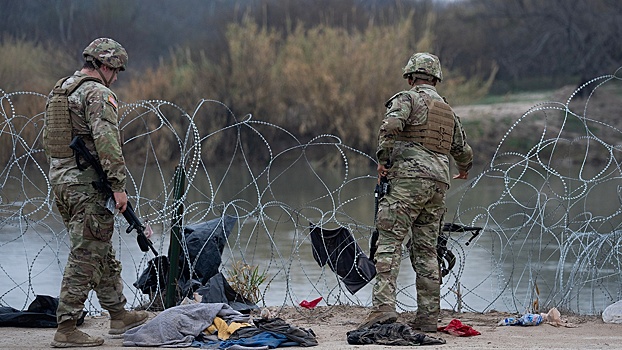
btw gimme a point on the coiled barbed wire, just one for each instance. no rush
(550, 209)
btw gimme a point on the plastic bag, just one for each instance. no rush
(531, 319)
(613, 313)
(525, 320)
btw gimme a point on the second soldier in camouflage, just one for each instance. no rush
(418, 134)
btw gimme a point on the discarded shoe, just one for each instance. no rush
(121, 322)
(378, 316)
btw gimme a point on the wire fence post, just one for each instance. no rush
(175, 245)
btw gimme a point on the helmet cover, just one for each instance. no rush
(108, 52)
(423, 63)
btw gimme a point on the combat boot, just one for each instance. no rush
(424, 325)
(382, 315)
(68, 336)
(123, 320)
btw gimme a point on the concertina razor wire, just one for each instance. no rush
(549, 204)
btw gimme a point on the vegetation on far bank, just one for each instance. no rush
(322, 80)
(312, 70)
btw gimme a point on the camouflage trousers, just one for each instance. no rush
(412, 210)
(91, 264)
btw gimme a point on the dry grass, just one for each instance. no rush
(311, 81)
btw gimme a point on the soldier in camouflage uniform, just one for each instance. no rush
(83, 105)
(418, 133)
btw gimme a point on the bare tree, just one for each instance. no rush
(546, 41)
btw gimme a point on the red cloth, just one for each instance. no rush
(459, 329)
(310, 304)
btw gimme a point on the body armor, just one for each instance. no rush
(437, 133)
(59, 128)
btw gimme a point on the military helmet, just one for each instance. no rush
(423, 63)
(108, 52)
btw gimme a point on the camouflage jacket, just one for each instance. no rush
(96, 108)
(409, 158)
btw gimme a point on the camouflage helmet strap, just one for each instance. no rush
(97, 66)
(423, 76)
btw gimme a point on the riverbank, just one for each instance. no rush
(331, 323)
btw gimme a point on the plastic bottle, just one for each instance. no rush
(530, 320)
(509, 321)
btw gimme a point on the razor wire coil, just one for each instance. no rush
(544, 241)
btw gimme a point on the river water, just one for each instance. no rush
(502, 269)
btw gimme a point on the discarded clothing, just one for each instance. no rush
(459, 329)
(224, 329)
(398, 334)
(296, 336)
(267, 333)
(154, 277)
(206, 242)
(218, 290)
(338, 248)
(300, 336)
(41, 313)
(263, 340)
(180, 325)
(310, 304)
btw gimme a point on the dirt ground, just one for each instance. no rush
(331, 323)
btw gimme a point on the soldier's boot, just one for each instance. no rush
(426, 325)
(427, 328)
(123, 320)
(382, 315)
(68, 336)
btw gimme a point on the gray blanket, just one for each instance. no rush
(178, 326)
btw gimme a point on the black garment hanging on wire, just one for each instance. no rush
(344, 256)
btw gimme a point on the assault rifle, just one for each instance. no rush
(103, 185)
(381, 189)
(446, 258)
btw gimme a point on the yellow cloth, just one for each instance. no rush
(224, 330)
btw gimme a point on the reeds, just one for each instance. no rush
(310, 81)
(246, 280)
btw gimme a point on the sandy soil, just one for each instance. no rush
(330, 324)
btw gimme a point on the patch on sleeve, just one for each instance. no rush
(112, 101)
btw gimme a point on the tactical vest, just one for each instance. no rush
(59, 128)
(435, 135)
